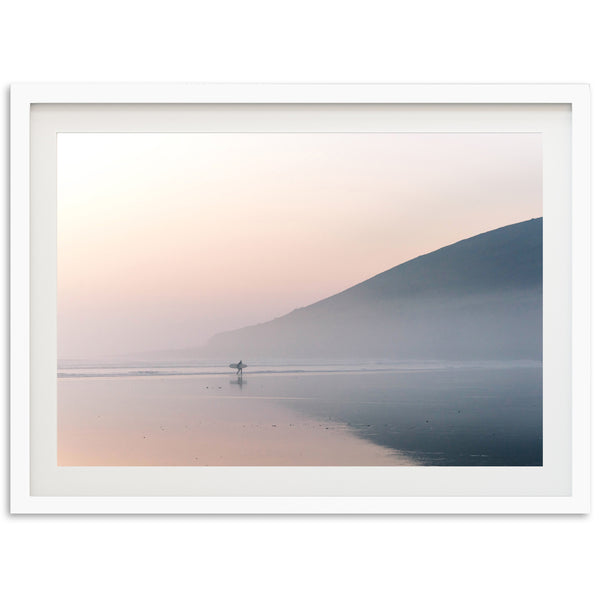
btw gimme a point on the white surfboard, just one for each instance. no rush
(237, 366)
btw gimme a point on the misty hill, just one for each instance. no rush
(478, 298)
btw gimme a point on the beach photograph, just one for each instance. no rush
(299, 299)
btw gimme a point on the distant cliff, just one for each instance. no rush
(478, 298)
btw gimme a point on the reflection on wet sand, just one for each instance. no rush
(466, 414)
(199, 421)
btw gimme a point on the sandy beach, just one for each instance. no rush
(439, 415)
(198, 421)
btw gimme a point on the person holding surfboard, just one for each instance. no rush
(239, 366)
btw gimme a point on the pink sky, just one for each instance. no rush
(166, 239)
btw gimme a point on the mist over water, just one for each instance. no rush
(480, 298)
(471, 312)
(165, 239)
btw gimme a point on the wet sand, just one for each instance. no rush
(444, 415)
(200, 421)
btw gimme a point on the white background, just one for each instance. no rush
(414, 557)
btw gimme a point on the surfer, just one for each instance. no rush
(240, 366)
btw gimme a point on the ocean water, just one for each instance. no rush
(299, 413)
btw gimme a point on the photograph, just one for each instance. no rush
(299, 299)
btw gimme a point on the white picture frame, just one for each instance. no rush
(37, 487)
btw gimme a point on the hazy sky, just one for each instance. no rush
(166, 239)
